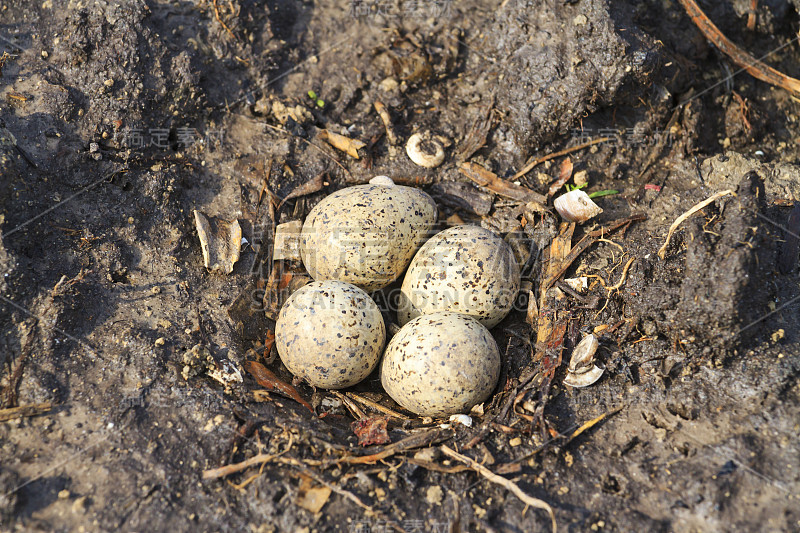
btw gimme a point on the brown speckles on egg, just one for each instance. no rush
(316, 325)
(366, 235)
(441, 364)
(467, 269)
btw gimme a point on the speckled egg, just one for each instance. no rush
(367, 234)
(466, 269)
(330, 333)
(441, 364)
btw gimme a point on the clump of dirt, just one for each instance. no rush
(117, 121)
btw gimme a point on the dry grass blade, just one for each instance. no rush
(376, 406)
(753, 66)
(678, 221)
(508, 484)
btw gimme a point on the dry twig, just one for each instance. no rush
(25, 410)
(376, 406)
(419, 440)
(539, 160)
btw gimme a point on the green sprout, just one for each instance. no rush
(575, 187)
(607, 192)
(318, 101)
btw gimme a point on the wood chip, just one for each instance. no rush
(310, 497)
(340, 142)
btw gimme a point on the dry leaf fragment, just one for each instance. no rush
(340, 142)
(311, 186)
(564, 174)
(371, 430)
(496, 184)
(270, 381)
(220, 240)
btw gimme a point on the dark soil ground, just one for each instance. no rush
(117, 120)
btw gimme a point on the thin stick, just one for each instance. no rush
(508, 484)
(25, 410)
(227, 470)
(565, 151)
(374, 405)
(433, 436)
(387, 121)
(663, 250)
(753, 66)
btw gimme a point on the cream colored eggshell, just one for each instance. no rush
(330, 333)
(466, 269)
(441, 364)
(367, 234)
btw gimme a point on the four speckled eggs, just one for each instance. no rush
(460, 282)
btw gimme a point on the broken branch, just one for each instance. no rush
(753, 66)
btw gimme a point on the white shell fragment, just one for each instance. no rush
(367, 234)
(589, 377)
(382, 180)
(465, 269)
(464, 420)
(330, 333)
(424, 150)
(441, 364)
(576, 206)
(583, 354)
(220, 241)
(582, 371)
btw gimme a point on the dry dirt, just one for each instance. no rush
(117, 120)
